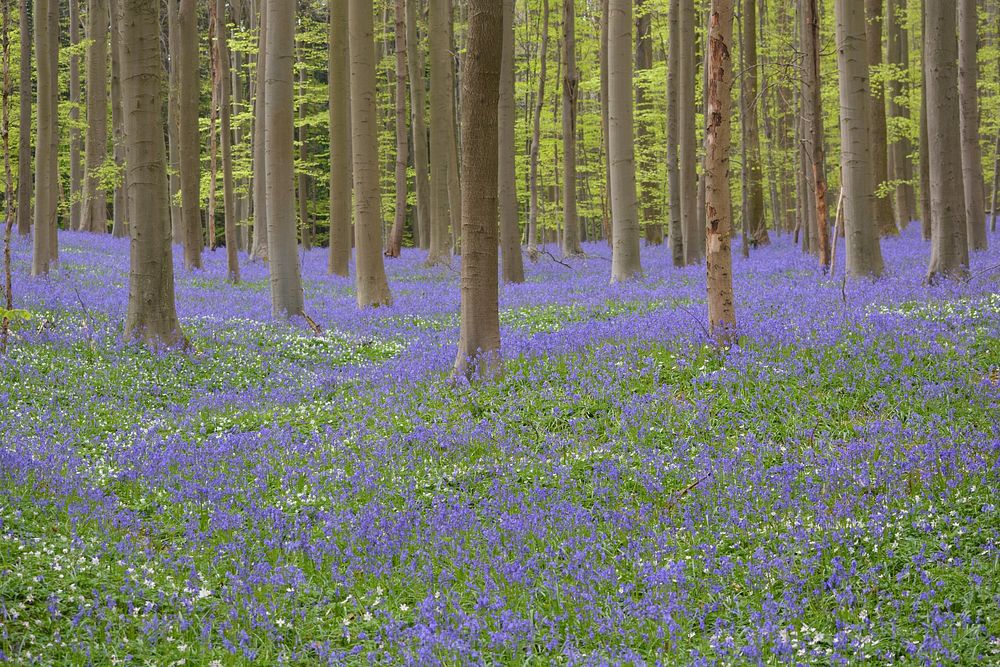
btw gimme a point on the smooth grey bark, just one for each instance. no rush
(864, 255)
(75, 101)
(225, 132)
(926, 216)
(152, 315)
(570, 90)
(812, 128)
(341, 185)
(24, 175)
(898, 91)
(949, 229)
(673, 133)
(372, 286)
(259, 246)
(756, 217)
(395, 242)
(188, 134)
(536, 136)
(621, 145)
(173, 111)
(479, 331)
(94, 214)
(882, 205)
(418, 108)
(119, 223)
(510, 234)
(442, 125)
(968, 96)
(279, 163)
(648, 187)
(687, 144)
(47, 135)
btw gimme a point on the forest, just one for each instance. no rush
(447, 332)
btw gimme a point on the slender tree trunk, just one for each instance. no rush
(189, 82)
(687, 149)
(47, 134)
(755, 180)
(454, 178)
(718, 201)
(812, 121)
(926, 215)
(373, 289)
(119, 227)
(279, 135)
(864, 255)
(415, 64)
(673, 133)
(441, 124)
(75, 101)
(570, 89)
(510, 233)
(479, 336)
(972, 159)
(259, 248)
(648, 187)
(884, 217)
(24, 175)
(95, 201)
(173, 127)
(899, 91)
(340, 142)
(402, 146)
(302, 177)
(213, 122)
(152, 316)
(536, 135)
(621, 144)
(949, 242)
(225, 123)
(603, 57)
(996, 183)
(8, 201)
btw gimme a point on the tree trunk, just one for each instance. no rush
(972, 159)
(454, 178)
(340, 142)
(648, 186)
(510, 233)
(75, 102)
(673, 110)
(213, 118)
(302, 177)
(415, 64)
(812, 121)
(373, 289)
(926, 216)
(94, 216)
(536, 135)
(884, 217)
(259, 247)
(864, 255)
(225, 122)
(899, 91)
(119, 226)
(479, 337)
(152, 316)
(621, 144)
(949, 241)
(24, 176)
(687, 149)
(751, 129)
(189, 82)
(173, 113)
(47, 134)
(279, 135)
(718, 202)
(395, 242)
(441, 128)
(570, 88)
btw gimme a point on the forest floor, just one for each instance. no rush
(823, 493)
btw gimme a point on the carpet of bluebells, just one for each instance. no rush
(823, 493)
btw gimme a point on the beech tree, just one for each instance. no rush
(754, 213)
(864, 255)
(882, 204)
(45, 243)
(510, 235)
(421, 166)
(188, 135)
(621, 144)
(479, 336)
(24, 125)
(570, 88)
(340, 142)
(442, 113)
(94, 216)
(968, 98)
(279, 161)
(152, 316)
(373, 289)
(686, 139)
